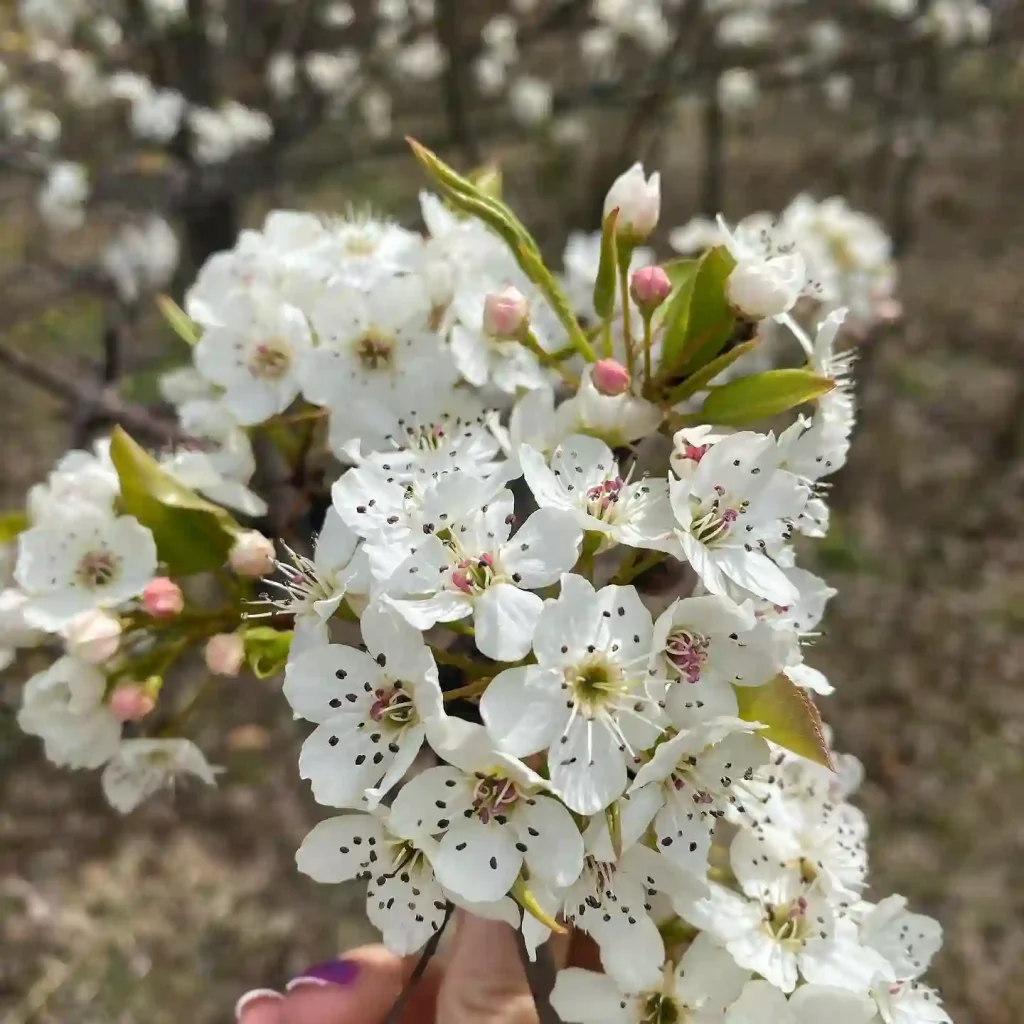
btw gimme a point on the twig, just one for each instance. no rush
(81, 394)
(395, 1013)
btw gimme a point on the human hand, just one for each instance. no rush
(478, 979)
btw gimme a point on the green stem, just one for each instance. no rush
(634, 567)
(627, 327)
(647, 352)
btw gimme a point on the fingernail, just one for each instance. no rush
(254, 996)
(332, 972)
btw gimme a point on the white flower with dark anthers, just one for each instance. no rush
(697, 775)
(255, 354)
(371, 708)
(395, 515)
(463, 437)
(80, 559)
(493, 816)
(762, 1003)
(769, 932)
(585, 699)
(362, 249)
(697, 990)
(737, 502)
(617, 420)
(808, 838)
(312, 589)
(613, 901)
(403, 897)
(909, 1002)
(143, 767)
(583, 479)
(703, 646)
(377, 359)
(478, 569)
(64, 707)
(908, 941)
(769, 276)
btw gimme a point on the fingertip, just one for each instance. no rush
(259, 1006)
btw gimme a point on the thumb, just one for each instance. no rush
(485, 982)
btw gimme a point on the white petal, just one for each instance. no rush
(479, 862)
(586, 997)
(323, 682)
(588, 770)
(811, 1004)
(431, 801)
(554, 846)
(338, 849)
(407, 913)
(523, 709)
(504, 618)
(338, 762)
(547, 545)
(759, 1003)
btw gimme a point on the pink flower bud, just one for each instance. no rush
(163, 598)
(506, 314)
(224, 654)
(610, 377)
(650, 287)
(130, 702)
(252, 554)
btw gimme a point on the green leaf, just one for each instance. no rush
(266, 650)
(760, 395)
(790, 717)
(698, 320)
(11, 524)
(192, 535)
(488, 179)
(709, 371)
(607, 269)
(181, 323)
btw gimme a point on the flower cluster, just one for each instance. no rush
(550, 635)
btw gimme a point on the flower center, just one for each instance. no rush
(694, 453)
(687, 651)
(659, 1009)
(375, 350)
(493, 797)
(359, 243)
(603, 499)
(474, 575)
(788, 923)
(98, 569)
(713, 520)
(393, 706)
(270, 360)
(595, 683)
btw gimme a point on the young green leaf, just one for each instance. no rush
(709, 371)
(761, 395)
(607, 269)
(192, 535)
(181, 323)
(790, 717)
(698, 319)
(11, 524)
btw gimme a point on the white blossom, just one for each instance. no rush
(142, 767)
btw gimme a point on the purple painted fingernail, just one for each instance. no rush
(331, 972)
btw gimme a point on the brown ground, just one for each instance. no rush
(169, 915)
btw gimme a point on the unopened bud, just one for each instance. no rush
(224, 654)
(130, 702)
(649, 288)
(610, 377)
(252, 554)
(506, 314)
(93, 637)
(638, 200)
(163, 598)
